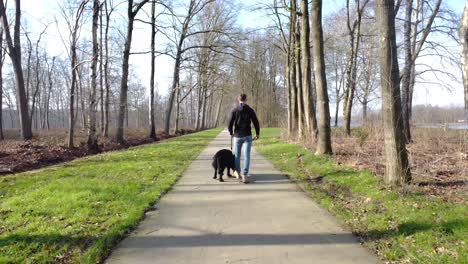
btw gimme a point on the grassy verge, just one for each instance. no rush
(76, 211)
(400, 226)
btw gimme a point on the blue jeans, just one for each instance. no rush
(238, 143)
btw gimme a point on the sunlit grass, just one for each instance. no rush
(402, 226)
(76, 211)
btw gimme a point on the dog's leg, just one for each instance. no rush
(220, 172)
(229, 173)
(215, 169)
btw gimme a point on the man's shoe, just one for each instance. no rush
(236, 174)
(245, 178)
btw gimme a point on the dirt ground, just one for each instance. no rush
(439, 158)
(49, 147)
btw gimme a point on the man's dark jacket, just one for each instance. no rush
(241, 117)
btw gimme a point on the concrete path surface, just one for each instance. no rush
(268, 221)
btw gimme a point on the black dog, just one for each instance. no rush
(221, 160)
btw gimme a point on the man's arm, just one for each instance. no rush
(254, 118)
(231, 122)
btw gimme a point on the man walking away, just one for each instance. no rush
(241, 118)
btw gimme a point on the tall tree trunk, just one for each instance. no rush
(14, 51)
(406, 74)
(124, 81)
(337, 109)
(106, 74)
(177, 63)
(101, 71)
(199, 102)
(409, 70)
(92, 112)
(49, 92)
(397, 167)
(309, 107)
(153, 58)
(292, 68)
(1, 84)
(84, 117)
(324, 131)
(204, 104)
(218, 111)
(354, 34)
(464, 55)
(300, 96)
(177, 114)
(172, 93)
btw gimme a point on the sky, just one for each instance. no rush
(44, 11)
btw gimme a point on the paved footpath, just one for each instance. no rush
(269, 221)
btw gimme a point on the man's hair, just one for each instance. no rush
(242, 97)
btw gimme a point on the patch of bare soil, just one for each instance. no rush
(439, 159)
(48, 148)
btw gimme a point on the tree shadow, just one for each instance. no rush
(444, 184)
(35, 243)
(220, 239)
(413, 227)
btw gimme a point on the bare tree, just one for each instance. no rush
(74, 23)
(132, 11)
(50, 73)
(324, 130)
(397, 167)
(2, 59)
(412, 48)
(354, 34)
(309, 107)
(105, 131)
(92, 136)
(292, 67)
(464, 55)
(14, 51)
(194, 7)
(153, 58)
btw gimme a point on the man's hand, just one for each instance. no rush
(256, 137)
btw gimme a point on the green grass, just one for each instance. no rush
(400, 226)
(76, 212)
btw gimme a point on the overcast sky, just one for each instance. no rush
(45, 10)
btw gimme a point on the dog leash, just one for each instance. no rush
(231, 143)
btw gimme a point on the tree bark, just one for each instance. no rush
(298, 71)
(324, 131)
(1, 85)
(101, 71)
(106, 74)
(354, 34)
(406, 74)
(73, 67)
(464, 55)
(14, 51)
(153, 58)
(92, 112)
(124, 81)
(397, 166)
(309, 107)
(218, 111)
(408, 87)
(292, 70)
(177, 63)
(177, 114)
(49, 91)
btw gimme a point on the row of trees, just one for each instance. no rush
(297, 65)
(94, 82)
(352, 47)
